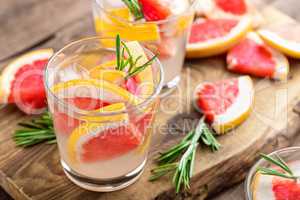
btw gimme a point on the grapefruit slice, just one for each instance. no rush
(22, 81)
(93, 88)
(230, 9)
(215, 36)
(65, 123)
(283, 37)
(92, 141)
(226, 103)
(154, 10)
(252, 56)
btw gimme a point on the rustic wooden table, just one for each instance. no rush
(30, 24)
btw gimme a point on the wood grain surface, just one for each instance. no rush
(35, 173)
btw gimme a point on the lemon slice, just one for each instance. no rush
(145, 77)
(94, 88)
(110, 27)
(107, 65)
(113, 76)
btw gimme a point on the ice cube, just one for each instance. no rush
(74, 71)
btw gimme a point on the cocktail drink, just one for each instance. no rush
(103, 103)
(161, 25)
(275, 178)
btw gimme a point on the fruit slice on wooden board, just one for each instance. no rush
(215, 36)
(283, 37)
(226, 103)
(22, 81)
(253, 56)
(275, 188)
(229, 9)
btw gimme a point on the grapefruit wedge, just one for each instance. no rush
(283, 37)
(92, 141)
(229, 9)
(22, 81)
(226, 103)
(215, 36)
(252, 56)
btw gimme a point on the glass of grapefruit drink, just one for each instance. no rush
(103, 102)
(262, 185)
(161, 25)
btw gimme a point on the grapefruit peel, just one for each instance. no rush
(288, 47)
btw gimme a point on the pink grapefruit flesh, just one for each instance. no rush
(27, 89)
(211, 29)
(252, 58)
(214, 99)
(285, 189)
(236, 7)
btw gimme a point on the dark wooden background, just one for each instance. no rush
(30, 24)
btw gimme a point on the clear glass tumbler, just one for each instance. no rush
(260, 187)
(103, 140)
(166, 38)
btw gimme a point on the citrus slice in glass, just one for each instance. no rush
(94, 89)
(93, 141)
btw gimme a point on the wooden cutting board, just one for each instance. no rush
(35, 173)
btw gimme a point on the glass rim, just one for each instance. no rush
(171, 18)
(60, 101)
(252, 172)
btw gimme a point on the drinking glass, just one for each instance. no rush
(100, 150)
(166, 38)
(289, 155)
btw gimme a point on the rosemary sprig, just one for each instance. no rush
(122, 63)
(278, 161)
(36, 131)
(135, 8)
(187, 150)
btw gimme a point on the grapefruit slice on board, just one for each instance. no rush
(229, 9)
(22, 81)
(283, 37)
(215, 36)
(252, 56)
(92, 141)
(226, 103)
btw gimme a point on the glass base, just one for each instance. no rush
(103, 185)
(170, 86)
